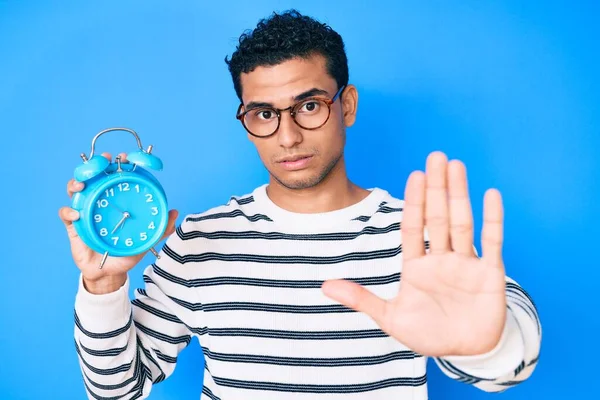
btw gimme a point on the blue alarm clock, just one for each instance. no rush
(123, 207)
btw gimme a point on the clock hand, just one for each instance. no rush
(118, 208)
(125, 216)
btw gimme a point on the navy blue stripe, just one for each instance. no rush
(241, 200)
(165, 357)
(139, 374)
(142, 375)
(535, 360)
(520, 290)
(246, 235)
(294, 335)
(149, 356)
(307, 388)
(266, 307)
(274, 283)
(509, 383)
(161, 336)
(139, 371)
(520, 302)
(206, 391)
(103, 353)
(382, 209)
(525, 302)
(297, 259)
(461, 375)
(98, 397)
(139, 377)
(520, 368)
(310, 362)
(230, 214)
(159, 313)
(102, 371)
(103, 335)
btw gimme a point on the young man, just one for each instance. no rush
(310, 286)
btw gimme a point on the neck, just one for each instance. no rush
(334, 192)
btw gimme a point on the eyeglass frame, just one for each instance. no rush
(278, 111)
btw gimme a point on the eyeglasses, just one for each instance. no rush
(311, 113)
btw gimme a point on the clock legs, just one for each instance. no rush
(105, 256)
(103, 260)
(155, 253)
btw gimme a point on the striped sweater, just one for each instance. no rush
(244, 278)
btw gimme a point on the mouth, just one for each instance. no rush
(294, 158)
(293, 163)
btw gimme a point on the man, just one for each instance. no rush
(310, 286)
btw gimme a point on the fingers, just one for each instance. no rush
(68, 215)
(461, 215)
(358, 298)
(436, 203)
(492, 235)
(448, 216)
(74, 186)
(122, 157)
(413, 244)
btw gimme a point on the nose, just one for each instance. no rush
(289, 134)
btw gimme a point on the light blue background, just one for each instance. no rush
(511, 88)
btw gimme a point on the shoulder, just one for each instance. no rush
(387, 204)
(389, 200)
(238, 209)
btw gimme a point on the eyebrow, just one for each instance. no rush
(302, 96)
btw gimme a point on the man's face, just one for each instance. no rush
(320, 150)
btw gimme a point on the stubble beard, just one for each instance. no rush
(311, 181)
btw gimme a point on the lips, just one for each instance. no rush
(295, 163)
(293, 158)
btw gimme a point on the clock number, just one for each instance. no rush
(151, 226)
(103, 232)
(110, 192)
(128, 242)
(143, 236)
(124, 187)
(148, 198)
(102, 203)
(115, 239)
(154, 210)
(98, 218)
(137, 188)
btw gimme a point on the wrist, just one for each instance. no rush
(105, 284)
(503, 359)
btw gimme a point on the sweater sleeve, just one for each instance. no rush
(125, 346)
(515, 356)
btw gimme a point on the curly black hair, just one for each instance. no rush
(285, 36)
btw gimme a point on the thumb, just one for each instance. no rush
(357, 297)
(68, 216)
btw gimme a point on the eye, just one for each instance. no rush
(310, 106)
(264, 114)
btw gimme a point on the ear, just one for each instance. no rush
(349, 104)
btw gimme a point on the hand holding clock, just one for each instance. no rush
(114, 272)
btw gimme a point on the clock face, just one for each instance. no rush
(127, 215)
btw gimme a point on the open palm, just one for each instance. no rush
(450, 302)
